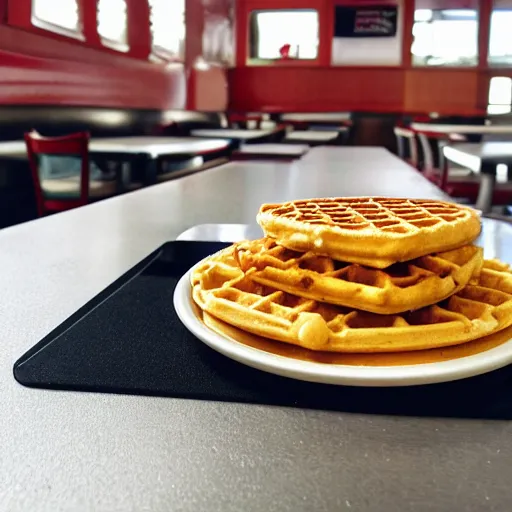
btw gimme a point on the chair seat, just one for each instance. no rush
(70, 188)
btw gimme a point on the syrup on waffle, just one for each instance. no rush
(479, 309)
(401, 287)
(369, 230)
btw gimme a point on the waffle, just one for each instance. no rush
(479, 309)
(401, 287)
(368, 230)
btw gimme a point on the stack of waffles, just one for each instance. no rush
(359, 274)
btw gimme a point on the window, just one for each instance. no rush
(500, 41)
(292, 34)
(168, 26)
(64, 20)
(445, 37)
(500, 95)
(113, 23)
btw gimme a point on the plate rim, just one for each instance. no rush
(337, 374)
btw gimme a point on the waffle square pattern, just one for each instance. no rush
(401, 287)
(372, 231)
(221, 289)
(360, 275)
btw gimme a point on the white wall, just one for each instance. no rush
(379, 51)
(503, 4)
(447, 4)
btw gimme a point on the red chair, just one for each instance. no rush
(55, 195)
(407, 145)
(456, 181)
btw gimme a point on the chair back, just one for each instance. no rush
(76, 144)
(407, 145)
(426, 148)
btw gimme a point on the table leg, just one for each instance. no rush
(486, 191)
(151, 170)
(440, 153)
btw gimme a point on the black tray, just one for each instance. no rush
(129, 340)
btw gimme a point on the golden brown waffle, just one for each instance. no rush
(219, 289)
(369, 230)
(401, 287)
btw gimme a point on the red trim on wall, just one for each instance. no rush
(484, 30)
(407, 39)
(316, 88)
(90, 23)
(139, 32)
(36, 80)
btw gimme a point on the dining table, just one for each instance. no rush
(315, 137)
(463, 129)
(317, 118)
(241, 136)
(145, 152)
(483, 159)
(270, 151)
(66, 450)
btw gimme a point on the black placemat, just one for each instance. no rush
(129, 340)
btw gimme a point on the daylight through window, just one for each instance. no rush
(500, 40)
(168, 26)
(445, 37)
(293, 34)
(65, 18)
(113, 23)
(500, 95)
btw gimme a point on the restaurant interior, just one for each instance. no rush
(128, 69)
(139, 137)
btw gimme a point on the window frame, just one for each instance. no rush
(252, 42)
(452, 65)
(54, 28)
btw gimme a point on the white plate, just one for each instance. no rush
(402, 375)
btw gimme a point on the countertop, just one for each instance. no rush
(66, 451)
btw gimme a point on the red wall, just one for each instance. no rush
(37, 67)
(318, 86)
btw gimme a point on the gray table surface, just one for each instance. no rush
(463, 128)
(474, 155)
(231, 133)
(274, 149)
(65, 451)
(482, 158)
(153, 146)
(314, 135)
(317, 117)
